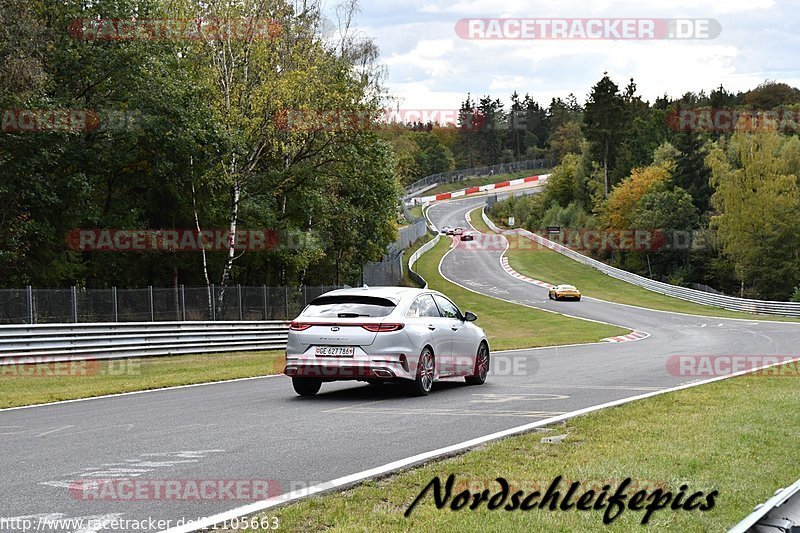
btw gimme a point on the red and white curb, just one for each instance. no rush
(630, 337)
(482, 188)
(634, 336)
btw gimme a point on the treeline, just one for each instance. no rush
(485, 133)
(713, 177)
(143, 122)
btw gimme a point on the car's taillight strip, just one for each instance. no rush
(378, 328)
(375, 328)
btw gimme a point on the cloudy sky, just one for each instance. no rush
(430, 66)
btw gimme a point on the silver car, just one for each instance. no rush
(378, 334)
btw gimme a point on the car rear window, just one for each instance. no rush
(346, 306)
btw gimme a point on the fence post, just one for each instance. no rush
(74, 304)
(30, 304)
(213, 303)
(264, 295)
(286, 301)
(114, 303)
(241, 307)
(183, 302)
(152, 311)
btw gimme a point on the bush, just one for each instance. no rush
(796, 295)
(572, 216)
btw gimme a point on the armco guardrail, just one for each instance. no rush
(779, 514)
(416, 255)
(731, 303)
(36, 343)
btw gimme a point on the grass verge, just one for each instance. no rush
(484, 180)
(406, 281)
(532, 327)
(538, 262)
(51, 382)
(728, 436)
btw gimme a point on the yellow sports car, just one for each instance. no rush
(564, 291)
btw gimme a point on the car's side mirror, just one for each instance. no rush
(469, 316)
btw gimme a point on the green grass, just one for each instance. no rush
(538, 262)
(728, 436)
(532, 327)
(42, 383)
(484, 180)
(416, 211)
(476, 219)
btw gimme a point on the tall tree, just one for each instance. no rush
(691, 172)
(604, 119)
(758, 201)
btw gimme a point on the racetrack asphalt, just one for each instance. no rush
(258, 429)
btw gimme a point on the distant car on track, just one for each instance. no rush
(379, 334)
(564, 291)
(458, 231)
(467, 236)
(447, 230)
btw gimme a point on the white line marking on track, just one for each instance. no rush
(449, 412)
(504, 398)
(54, 430)
(594, 387)
(351, 406)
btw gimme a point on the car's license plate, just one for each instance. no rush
(334, 351)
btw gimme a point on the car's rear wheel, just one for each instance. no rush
(306, 386)
(478, 376)
(423, 383)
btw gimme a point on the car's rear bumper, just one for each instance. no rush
(346, 369)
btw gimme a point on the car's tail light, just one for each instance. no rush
(381, 328)
(298, 326)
